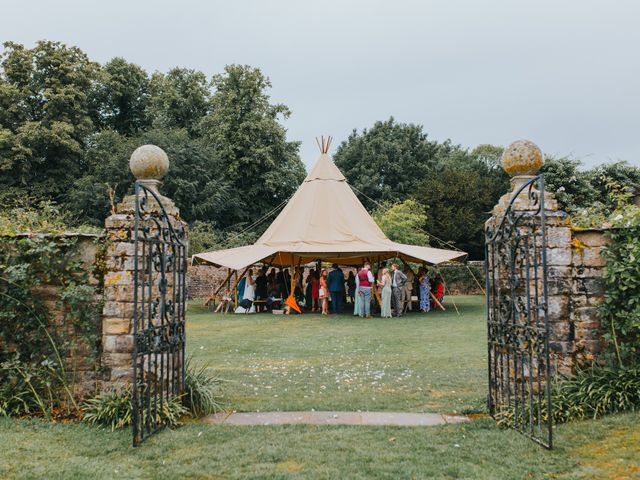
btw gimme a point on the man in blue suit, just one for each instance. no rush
(336, 288)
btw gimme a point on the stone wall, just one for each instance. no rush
(574, 267)
(80, 362)
(203, 280)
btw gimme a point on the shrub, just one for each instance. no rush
(595, 392)
(115, 410)
(591, 393)
(202, 390)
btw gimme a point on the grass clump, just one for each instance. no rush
(201, 390)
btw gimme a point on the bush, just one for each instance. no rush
(115, 410)
(595, 392)
(202, 391)
(591, 393)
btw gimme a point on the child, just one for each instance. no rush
(225, 302)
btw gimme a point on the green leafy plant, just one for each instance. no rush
(202, 390)
(37, 350)
(591, 393)
(114, 410)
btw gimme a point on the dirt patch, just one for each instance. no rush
(290, 466)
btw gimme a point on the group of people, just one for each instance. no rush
(323, 290)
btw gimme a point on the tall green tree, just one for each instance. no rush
(121, 96)
(195, 182)
(388, 161)
(45, 116)
(179, 99)
(458, 199)
(244, 129)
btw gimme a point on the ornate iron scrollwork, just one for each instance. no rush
(160, 267)
(517, 319)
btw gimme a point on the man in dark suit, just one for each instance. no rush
(398, 280)
(335, 283)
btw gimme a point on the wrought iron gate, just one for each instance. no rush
(517, 319)
(160, 265)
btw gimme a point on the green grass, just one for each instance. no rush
(430, 363)
(603, 449)
(418, 363)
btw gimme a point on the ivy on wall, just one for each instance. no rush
(49, 318)
(620, 312)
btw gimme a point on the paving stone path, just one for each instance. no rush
(334, 418)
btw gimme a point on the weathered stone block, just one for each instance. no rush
(117, 360)
(589, 257)
(558, 237)
(591, 238)
(118, 278)
(558, 308)
(117, 343)
(559, 256)
(116, 326)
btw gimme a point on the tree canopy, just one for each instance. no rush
(68, 126)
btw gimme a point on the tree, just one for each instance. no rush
(403, 222)
(121, 96)
(179, 99)
(263, 168)
(195, 181)
(458, 200)
(45, 116)
(387, 162)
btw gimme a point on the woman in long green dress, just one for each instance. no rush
(357, 303)
(385, 283)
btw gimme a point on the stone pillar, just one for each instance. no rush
(149, 164)
(574, 266)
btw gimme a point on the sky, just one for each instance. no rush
(562, 73)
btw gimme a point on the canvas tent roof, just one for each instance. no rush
(324, 220)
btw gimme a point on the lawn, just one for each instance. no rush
(435, 363)
(418, 363)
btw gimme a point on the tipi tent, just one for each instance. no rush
(323, 220)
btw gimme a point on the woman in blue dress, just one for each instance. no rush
(425, 302)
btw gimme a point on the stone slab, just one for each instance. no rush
(400, 419)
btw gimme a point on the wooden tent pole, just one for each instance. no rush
(213, 295)
(235, 286)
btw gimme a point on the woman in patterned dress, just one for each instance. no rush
(425, 301)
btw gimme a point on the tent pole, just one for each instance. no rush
(238, 278)
(444, 284)
(225, 281)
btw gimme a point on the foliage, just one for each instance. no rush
(619, 314)
(387, 162)
(403, 222)
(263, 168)
(68, 127)
(121, 96)
(458, 199)
(34, 349)
(44, 116)
(595, 392)
(590, 393)
(179, 100)
(202, 390)
(204, 237)
(115, 410)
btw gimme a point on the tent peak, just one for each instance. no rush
(324, 144)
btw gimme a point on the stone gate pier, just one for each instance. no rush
(574, 264)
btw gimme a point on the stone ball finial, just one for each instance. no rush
(522, 157)
(149, 162)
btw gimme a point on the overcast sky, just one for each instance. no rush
(563, 73)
